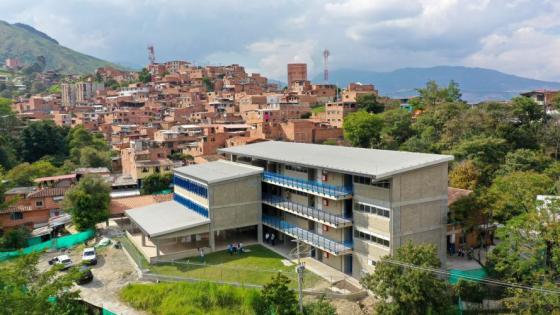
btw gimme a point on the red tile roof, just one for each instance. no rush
(48, 192)
(454, 194)
(59, 177)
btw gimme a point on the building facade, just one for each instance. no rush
(297, 72)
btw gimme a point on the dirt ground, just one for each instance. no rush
(113, 271)
(345, 307)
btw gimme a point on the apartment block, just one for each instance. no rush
(297, 72)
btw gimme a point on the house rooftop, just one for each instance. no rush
(20, 190)
(218, 171)
(349, 160)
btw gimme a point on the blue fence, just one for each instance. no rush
(191, 205)
(191, 186)
(306, 236)
(308, 185)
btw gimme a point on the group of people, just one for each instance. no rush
(270, 238)
(235, 248)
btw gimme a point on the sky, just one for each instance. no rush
(520, 37)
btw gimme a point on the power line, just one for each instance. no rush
(486, 281)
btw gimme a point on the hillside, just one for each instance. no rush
(477, 84)
(26, 43)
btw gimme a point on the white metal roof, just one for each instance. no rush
(165, 217)
(218, 171)
(357, 161)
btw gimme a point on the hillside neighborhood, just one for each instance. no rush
(189, 188)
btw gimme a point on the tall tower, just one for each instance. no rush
(151, 54)
(326, 54)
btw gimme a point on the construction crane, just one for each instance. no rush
(326, 54)
(151, 54)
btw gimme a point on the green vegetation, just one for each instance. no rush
(24, 174)
(276, 298)
(190, 298)
(145, 76)
(25, 290)
(208, 84)
(404, 290)
(88, 202)
(156, 183)
(27, 44)
(255, 267)
(369, 103)
(14, 239)
(318, 108)
(42, 138)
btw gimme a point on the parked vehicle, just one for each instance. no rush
(63, 260)
(89, 256)
(86, 275)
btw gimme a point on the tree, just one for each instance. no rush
(25, 290)
(552, 137)
(90, 157)
(363, 129)
(487, 153)
(397, 128)
(208, 84)
(278, 297)
(155, 183)
(514, 194)
(320, 307)
(408, 290)
(464, 175)
(369, 103)
(79, 137)
(14, 239)
(145, 76)
(522, 160)
(433, 94)
(24, 173)
(88, 202)
(42, 138)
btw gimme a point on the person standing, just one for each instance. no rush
(266, 236)
(272, 237)
(201, 252)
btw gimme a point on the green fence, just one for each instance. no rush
(56, 243)
(473, 275)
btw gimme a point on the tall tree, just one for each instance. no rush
(515, 194)
(24, 173)
(42, 138)
(363, 129)
(369, 103)
(464, 175)
(88, 202)
(278, 297)
(408, 290)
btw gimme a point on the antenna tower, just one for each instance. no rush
(151, 54)
(326, 54)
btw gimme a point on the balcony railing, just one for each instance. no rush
(316, 240)
(314, 214)
(316, 188)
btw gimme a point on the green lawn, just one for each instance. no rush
(316, 109)
(255, 267)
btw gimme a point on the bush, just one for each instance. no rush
(14, 239)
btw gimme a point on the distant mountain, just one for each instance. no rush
(26, 43)
(477, 84)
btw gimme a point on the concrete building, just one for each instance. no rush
(213, 204)
(351, 206)
(297, 72)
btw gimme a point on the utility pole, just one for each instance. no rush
(299, 269)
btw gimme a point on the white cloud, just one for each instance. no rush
(518, 36)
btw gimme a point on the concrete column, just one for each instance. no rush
(157, 248)
(143, 239)
(212, 241)
(260, 233)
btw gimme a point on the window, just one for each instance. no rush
(144, 170)
(372, 210)
(16, 216)
(371, 262)
(296, 169)
(368, 181)
(371, 238)
(39, 203)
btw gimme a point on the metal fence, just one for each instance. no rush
(306, 236)
(303, 184)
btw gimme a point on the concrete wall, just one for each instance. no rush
(372, 222)
(235, 203)
(419, 207)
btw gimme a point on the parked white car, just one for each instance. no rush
(89, 256)
(63, 260)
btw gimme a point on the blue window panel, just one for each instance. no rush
(191, 186)
(191, 205)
